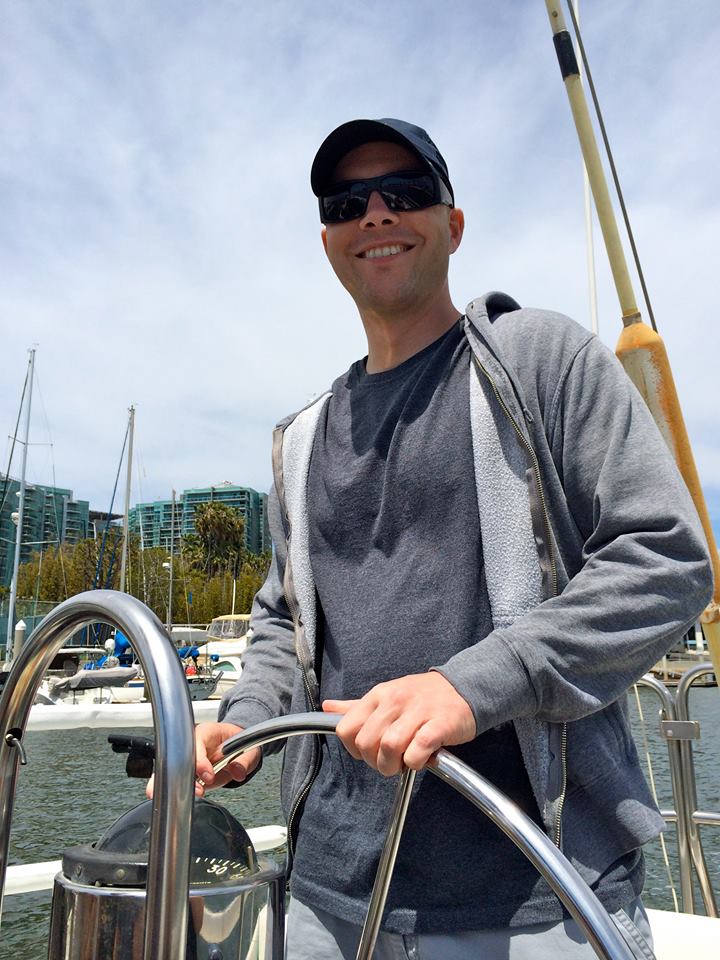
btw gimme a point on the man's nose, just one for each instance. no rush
(378, 213)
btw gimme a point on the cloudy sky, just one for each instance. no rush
(160, 244)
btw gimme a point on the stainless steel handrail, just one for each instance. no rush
(566, 882)
(667, 701)
(686, 816)
(169, 857)
(682, 696)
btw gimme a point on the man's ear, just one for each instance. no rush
(323, 237)
(457, 227)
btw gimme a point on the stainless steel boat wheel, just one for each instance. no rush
(567, 884)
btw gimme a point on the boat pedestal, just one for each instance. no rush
(236, 901)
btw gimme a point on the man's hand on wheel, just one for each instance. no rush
(401, 723)
(208, 739)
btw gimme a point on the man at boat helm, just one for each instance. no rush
(480, 543)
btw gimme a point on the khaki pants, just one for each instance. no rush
(313, 934)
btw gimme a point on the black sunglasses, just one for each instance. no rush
(402, 191)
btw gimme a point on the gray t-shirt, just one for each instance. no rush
(397, 560)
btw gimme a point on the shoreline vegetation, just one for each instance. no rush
(208, 568)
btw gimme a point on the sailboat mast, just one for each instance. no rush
(126, 515)
(172, 562)
(21, 511)
(640, 349)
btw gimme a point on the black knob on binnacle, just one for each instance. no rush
(140, 751)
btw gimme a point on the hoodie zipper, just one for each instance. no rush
(299, 800)
(557, 825)
(557, 838)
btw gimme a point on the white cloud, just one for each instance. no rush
(160, 242)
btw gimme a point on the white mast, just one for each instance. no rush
(21, 511)
(126, 515)
(172, 561)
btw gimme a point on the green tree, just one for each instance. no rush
(193, 551)
(204, 570)
(221, 531)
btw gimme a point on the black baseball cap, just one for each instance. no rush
(354, 133)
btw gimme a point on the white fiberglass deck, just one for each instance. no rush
(681, 936)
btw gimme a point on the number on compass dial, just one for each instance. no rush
(206, 870)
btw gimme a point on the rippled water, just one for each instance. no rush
(74, 787)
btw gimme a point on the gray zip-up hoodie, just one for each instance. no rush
(595, 565)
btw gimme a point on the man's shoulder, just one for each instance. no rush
(505, 319)
(525, 337)
(309, 411)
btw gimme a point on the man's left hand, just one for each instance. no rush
(401, 723)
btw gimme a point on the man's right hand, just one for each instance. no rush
(208, 739)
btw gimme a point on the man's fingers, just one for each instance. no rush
(394, 743)
(356, 713)
(379, 725)
(403, 722)
(150, 788)
(241, 768)
(209, 738)
(427, 740)
(338, 706)
(203, 766)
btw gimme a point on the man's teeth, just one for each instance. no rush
(384, 251)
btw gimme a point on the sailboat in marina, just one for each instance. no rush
(247, 897)
(20, 516)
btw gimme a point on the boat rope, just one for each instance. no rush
(651, 778)
(14, 440)
(611, 161)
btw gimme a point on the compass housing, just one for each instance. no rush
(220, 849)
(237, 900)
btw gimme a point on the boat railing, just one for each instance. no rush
(679, 731)
(571, 889)
(169, 855)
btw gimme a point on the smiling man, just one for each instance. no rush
(480, 542)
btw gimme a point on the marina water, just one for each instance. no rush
(74, 787)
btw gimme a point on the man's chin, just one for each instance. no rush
(398, 298)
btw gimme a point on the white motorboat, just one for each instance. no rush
(109, 685)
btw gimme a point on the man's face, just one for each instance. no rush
(391, 262)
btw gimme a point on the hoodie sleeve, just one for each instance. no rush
(265, 686)
(644, 574)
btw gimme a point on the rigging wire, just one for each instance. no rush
(101, 553)
(111, 565)
(616, 180)
(6, 483)
(651, 778)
